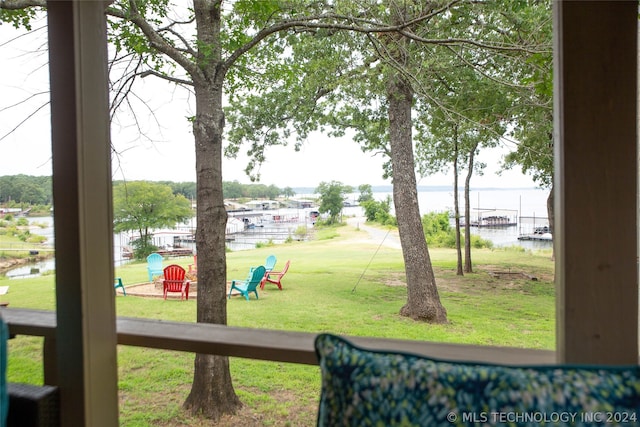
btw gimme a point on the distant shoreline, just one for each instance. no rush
(433, 188)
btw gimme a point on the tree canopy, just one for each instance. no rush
(32, 190)
(332, 195)
(143, 206)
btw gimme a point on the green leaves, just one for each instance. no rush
(142, 206)
(19, 17)
(332, 198)
(286, 96)
(26, 189)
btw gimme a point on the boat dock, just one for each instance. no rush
(493, 218)
(547, 237)
(535, 228)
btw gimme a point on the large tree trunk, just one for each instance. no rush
(423, 301)
(212, 394)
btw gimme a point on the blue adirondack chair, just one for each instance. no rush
(270, 263)
(268, 267)
(250, 284)
(154, 265)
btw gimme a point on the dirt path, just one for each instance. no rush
(388, 238)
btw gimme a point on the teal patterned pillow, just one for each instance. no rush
(376, 388)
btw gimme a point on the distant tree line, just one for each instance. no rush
(230, 189)
(235, 190)
(25, 189)
(37, 190)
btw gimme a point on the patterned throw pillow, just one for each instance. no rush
(378, 388)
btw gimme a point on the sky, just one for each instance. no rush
(158, 144)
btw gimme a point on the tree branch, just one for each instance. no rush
(179, 36)
(457, 42)
(33, 113)
(33, 95)
(176, 80)
(156, 41)
(332, 22)
(21, 4)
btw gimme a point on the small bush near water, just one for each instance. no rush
(440, 234)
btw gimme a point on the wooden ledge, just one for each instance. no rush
(264, 344)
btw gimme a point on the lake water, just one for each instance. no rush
(31, 270)
(528, 203)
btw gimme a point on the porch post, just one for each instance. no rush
(86, 332)
(596, 175)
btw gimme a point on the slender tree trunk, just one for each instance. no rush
(468, 265)
(212, 394)
(456, 203)
(550, 211)
(551, 217)
(423, 301)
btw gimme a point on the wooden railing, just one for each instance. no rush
(265, 344)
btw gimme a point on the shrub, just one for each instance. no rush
(141, 250)
(35, 238)
(437, 230)
(379, 211)
(442, 239)
(301, 232)
(440, 234)
(40, 210)
(265, 244)
(324, 222)
(478, 242)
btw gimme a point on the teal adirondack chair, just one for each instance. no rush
(118, 284)
(154, 265)
(250, 284)
(268, 267)
(270, 263)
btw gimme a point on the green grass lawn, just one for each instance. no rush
(335, 284)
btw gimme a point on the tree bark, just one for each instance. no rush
(468, 265)
(423, 301)
(551, 217)
(456, 204)
(212, 394)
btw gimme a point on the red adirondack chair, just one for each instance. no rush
(174, 281)
(275, 276)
